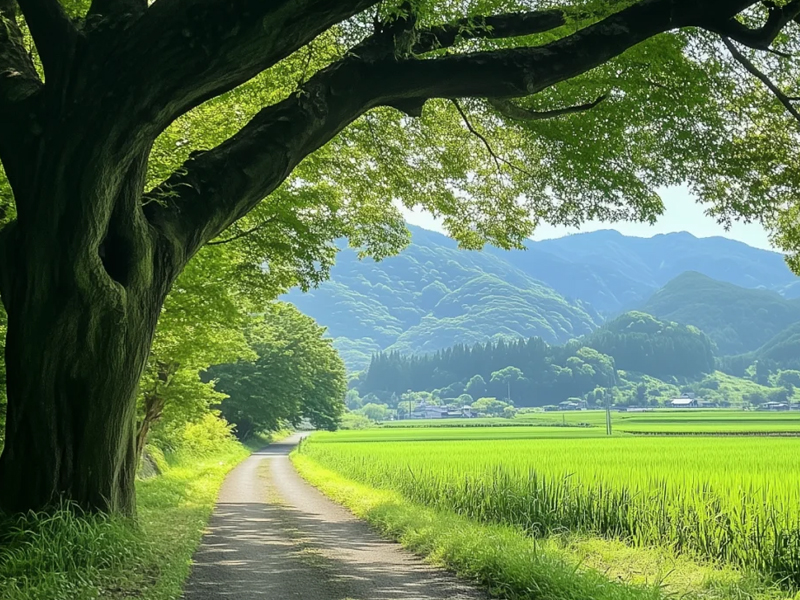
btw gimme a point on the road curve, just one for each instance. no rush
(272, 535)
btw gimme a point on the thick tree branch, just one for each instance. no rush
(490, 27)
(117, 8)
(183, 52)
(51, 30)
(389, 39)
(19, 83)
(761, 38)
(215, 188)
(761, 76)
(512, 111)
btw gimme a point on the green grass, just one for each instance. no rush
(678, 576)
(513, 565)
(734, 500)
(67, 555)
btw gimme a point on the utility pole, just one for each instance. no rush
(608, 413)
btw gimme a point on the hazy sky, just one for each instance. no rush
(682, 214)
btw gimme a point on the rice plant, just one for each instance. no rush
(735, 500)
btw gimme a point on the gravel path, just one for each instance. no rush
(272, 535)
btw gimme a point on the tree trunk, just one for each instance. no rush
(73, 365)
(71, 410)
(153, 407)
(83, 281)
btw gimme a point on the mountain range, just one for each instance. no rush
(433, 295)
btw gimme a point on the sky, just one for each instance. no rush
(682, 213)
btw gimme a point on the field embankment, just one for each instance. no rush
(699, 421)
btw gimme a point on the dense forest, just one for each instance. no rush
(545, 372)
(635, 359)
(548, 374)
(639, 342)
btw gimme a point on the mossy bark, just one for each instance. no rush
(83, 287)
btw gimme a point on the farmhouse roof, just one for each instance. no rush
(683, 401)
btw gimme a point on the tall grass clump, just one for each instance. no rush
(735, 501)
(66, 553)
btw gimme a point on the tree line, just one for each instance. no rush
(544, 374)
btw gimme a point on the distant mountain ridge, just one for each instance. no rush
(434, 295)
(627, 270)
(739, 320)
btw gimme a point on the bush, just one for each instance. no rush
(375, 412)
(355, 421)
(204, 437)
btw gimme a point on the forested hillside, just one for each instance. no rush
(640, 342)
(737, 319)
(783, 349)
(635, 359)
(434, 295)
(780, 352)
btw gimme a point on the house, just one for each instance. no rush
(775, 406)
(466, 412)
(684, 403)
(454, 412)
(428, 411)
(431, 411)
(571, 405)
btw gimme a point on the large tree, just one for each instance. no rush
(88, 92)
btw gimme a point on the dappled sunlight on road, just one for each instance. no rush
(274, 536)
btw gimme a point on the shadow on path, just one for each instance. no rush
(274, 536)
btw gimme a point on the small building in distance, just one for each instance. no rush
(465, 412)
(431, 411)
(428, 411)
(684, 402)
(774, 406)
(572, 405)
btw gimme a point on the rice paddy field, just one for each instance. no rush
(732, 500)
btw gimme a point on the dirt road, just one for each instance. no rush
(274, 536)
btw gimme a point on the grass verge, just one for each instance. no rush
(67, 555)
(514, 566)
